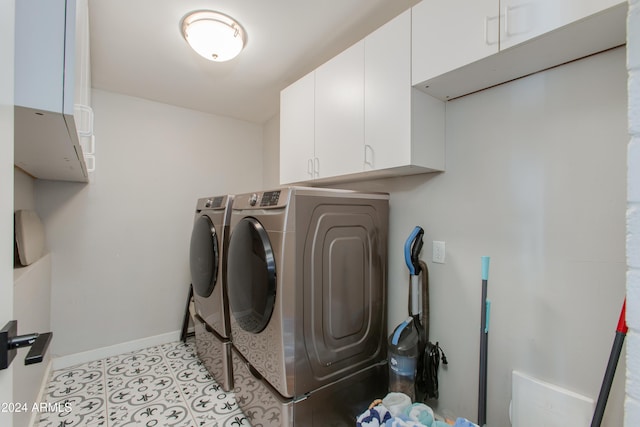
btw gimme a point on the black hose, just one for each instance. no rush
(428, 362)
(425, 300)
(430, 354)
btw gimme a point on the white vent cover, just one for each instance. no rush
(536, 403)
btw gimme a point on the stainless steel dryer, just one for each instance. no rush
(208, 254)
(307, 294)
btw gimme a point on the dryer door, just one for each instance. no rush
(251, 275)
(204, 255)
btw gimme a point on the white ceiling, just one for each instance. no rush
(137, 49)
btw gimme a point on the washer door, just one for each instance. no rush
(251, 275)
(204, 255)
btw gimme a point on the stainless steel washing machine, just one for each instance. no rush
(208, 254)
(307, 293)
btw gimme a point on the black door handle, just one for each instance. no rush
(38, 348)
(10, 341)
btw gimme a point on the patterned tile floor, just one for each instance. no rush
(159, 386)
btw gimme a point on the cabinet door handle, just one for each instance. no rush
(487, 20)
(89, 151)
(507, 10)
(368, 160)
(316, 167)
(310, 168)
(506, 20)
(90, 160)
(91, 148)
(84, 111)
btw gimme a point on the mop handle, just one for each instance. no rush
(486, 304)
(485, 268)
(484, 345)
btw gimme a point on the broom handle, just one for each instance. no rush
(484, 345)
(621, 332)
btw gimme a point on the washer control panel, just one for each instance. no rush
(270, 198)
(215, 202)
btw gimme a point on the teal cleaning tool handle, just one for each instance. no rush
(487, 315)
(485, 267)
(398, 331)
(411, 253)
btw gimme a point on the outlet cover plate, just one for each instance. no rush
(438, 252)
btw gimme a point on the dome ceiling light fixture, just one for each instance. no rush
(213, 35)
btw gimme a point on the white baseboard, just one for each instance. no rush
(41, 394)
(114, 350)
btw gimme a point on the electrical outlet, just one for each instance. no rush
(438, 252)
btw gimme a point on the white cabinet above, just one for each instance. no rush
(448, 34)
(339, 114)
(358, 117)
(495, 41)
(47, 144)
(322, 120)
(297, 131)
(404, 128)
(523, 20)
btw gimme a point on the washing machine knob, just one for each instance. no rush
(253, 199)
(208, 203)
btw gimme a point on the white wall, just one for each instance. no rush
(535, 178)
(32, 308)
(24, 192)
(632, 405)
(271, 159)
(120, 244)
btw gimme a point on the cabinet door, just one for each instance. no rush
(447, 34)
(339, 116)
(387, 94)
(297, 131)
(40, 54)
(46, 141)
(523, 20)
(82, 88)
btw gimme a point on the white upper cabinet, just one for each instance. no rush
(322, 120)
(522, 20)
(404, 128)
(452, 33)
(339, 114)
(358, 117)
(462, 46)
(47, 64)
(297, 131)
(387, 94)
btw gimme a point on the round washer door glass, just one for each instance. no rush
(203, 256)
(251, 275)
